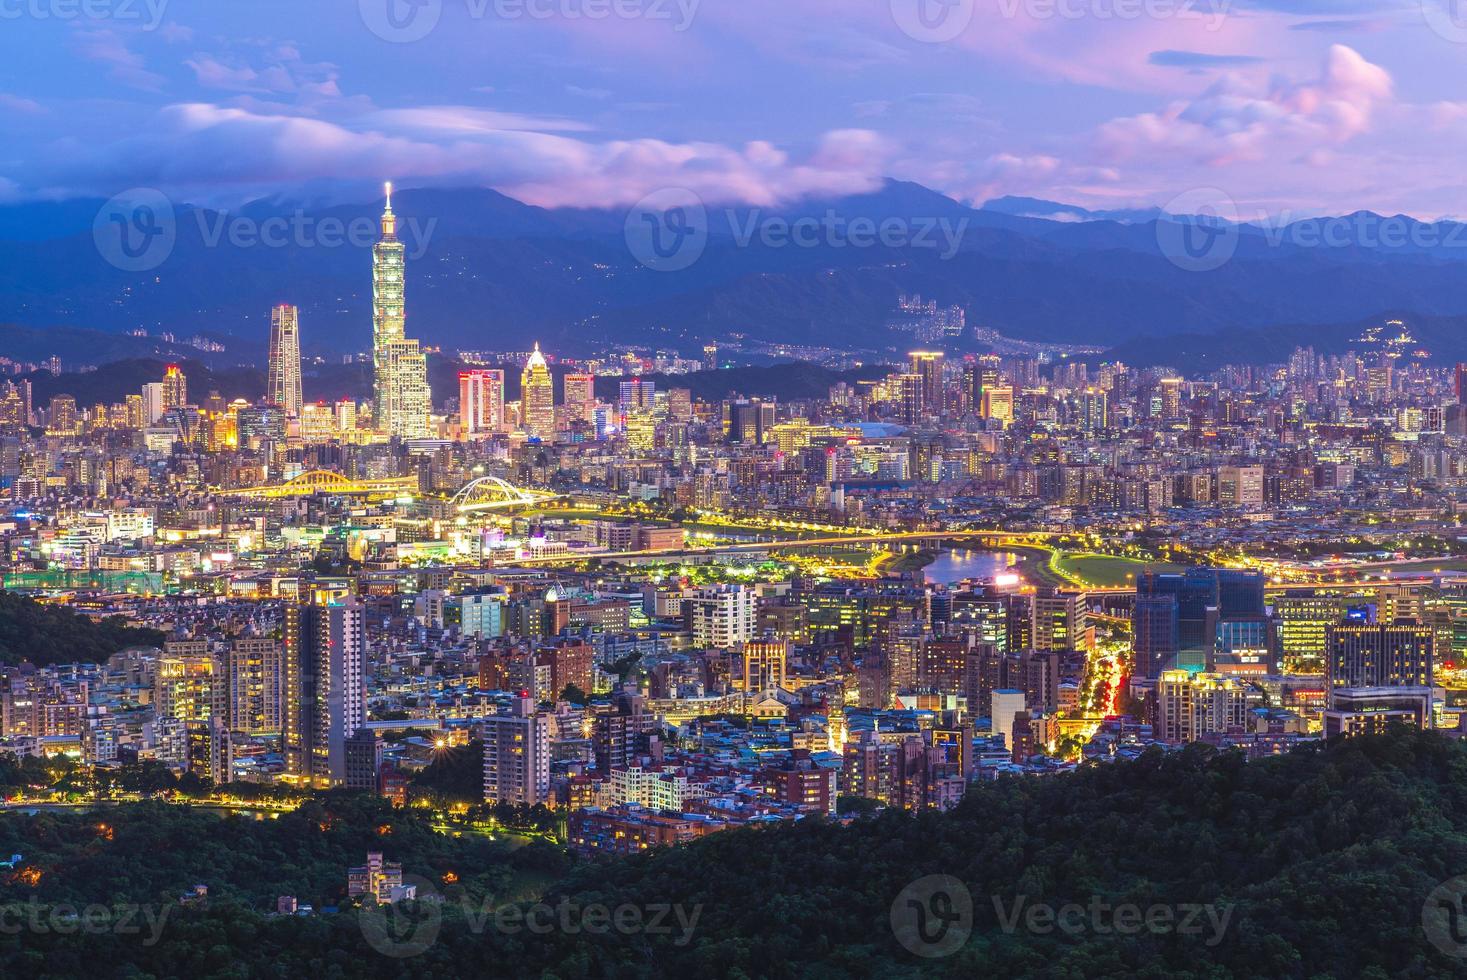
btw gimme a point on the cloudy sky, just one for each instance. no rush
(1285, 105)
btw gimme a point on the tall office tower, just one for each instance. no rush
(481, 402)
(1170, 392)
(255, 667)
(998, 403)
(1303, 624)
(325, 696)
(1378, 655)
(764, 664)
(636, 395)
(1062, 622)
(748, 422)
(517, 754)
(283, 386)
(62, 418)
(1240, 486)
(402, 401)
(912, 397)
(710, 357)
(580, 397)
(1461, 386)
(1156, 633)
(175, 388)
(1377, 675)
(1203, 597)
(928, 364)
(972, 386)
(537, 398)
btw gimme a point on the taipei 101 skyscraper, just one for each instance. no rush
(402, 402)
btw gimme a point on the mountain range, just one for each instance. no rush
(486, 272)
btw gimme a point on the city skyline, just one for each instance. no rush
(676, 534)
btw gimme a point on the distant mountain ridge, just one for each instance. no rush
(486, 272)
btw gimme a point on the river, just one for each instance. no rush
(959, 564)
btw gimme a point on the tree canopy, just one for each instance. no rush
(1321, 860)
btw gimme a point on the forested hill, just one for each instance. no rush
(48, 634)
(1318, 864)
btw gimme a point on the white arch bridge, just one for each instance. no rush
(493, 493)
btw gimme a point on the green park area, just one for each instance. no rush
(1101, 571)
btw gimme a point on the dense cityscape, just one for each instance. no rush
(591, 489)
(660, 617)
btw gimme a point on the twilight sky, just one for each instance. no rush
(1285, 105)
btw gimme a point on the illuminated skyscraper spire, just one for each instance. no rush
(537, 397)
(283, 382)
(400, 371)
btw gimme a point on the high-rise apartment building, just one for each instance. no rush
(187, 683)
(283, 383)
(325, 695)
(1240, 486)
(721, 616)
(402, 401)
(517, 754)
(255, 670)
(1190, 705)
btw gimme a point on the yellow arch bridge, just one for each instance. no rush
(327, 481)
